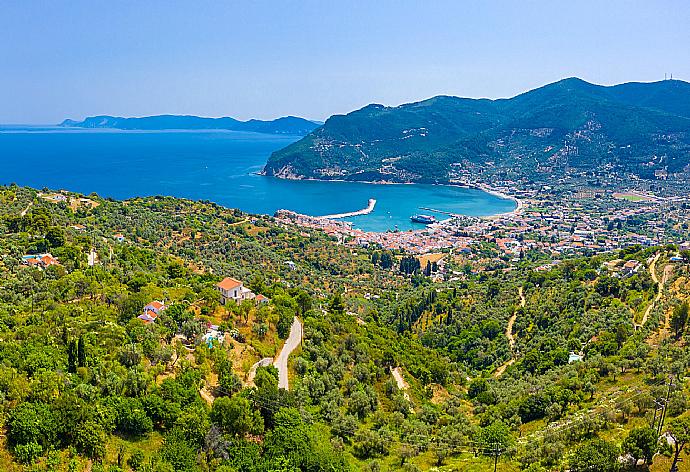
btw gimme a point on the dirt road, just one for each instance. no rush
(511, 321)
(660, 289)
(23, 213)
(400, 381)
(511, 338)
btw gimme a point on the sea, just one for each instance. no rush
(220, 166)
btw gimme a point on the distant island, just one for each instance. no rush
(570, 127)
(285, 125)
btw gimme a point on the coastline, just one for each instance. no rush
(519, 204)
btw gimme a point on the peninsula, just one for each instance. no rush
(285, 125)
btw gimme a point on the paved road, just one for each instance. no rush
(252, 372)
(291, 343)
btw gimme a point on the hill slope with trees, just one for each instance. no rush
(394, 372)
(570, 124)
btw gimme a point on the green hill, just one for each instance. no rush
(539, 370)
(284, 125)
(567, 125)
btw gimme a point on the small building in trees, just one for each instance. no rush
(151, 311)
(630, 268)
(41, 261)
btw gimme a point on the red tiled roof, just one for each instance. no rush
(228, 283)
(48, 260)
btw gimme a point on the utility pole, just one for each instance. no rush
(658, 407)
(30, 288)
(497, 451)
(663, 413)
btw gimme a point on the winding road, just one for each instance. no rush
(23, 213)
(281, 362)
(266, 361)
(511, 321)
(667, 272)
(660, 288)
(511, 338)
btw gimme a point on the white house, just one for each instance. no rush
(151, 311)
(233, 289)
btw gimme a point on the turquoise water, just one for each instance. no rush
(216, 166)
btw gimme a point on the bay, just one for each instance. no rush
(213, 165)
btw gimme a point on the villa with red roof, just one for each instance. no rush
(40, 260)
(233, 290)
(151, 311)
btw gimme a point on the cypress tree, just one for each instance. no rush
(81, 352)
(72, 357)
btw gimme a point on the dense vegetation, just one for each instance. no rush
(85, 385)
(569, 124)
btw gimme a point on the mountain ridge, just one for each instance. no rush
(282, 125)
(570, 124)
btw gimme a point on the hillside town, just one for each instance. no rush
(555, 224)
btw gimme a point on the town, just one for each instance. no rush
(548, 223)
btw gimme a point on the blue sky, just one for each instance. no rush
(266, 59)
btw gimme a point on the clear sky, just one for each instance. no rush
(264, 59)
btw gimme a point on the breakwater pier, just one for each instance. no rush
(364, 211)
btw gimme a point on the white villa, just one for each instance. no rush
(233, 289)
(151, 311)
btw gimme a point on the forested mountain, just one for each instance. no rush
(284, 125)
(567, 125)
(539, 368)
